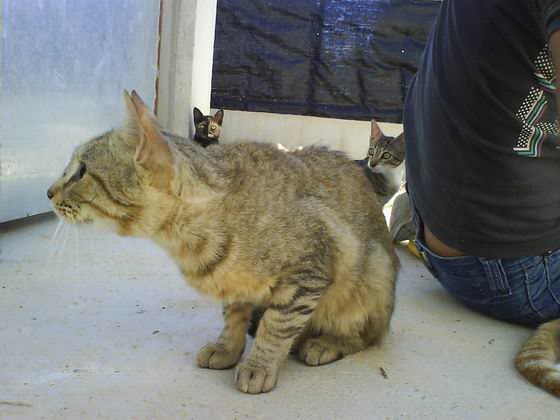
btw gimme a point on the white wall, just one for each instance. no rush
(60, 85)
(292, 131)
(186, 55)
(187, 49)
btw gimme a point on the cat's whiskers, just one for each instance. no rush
(131, 218)
(65, 241)
(138, 224)
(57, 230)
(76, 236)
(57, 239)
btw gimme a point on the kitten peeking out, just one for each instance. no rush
(207, 127)
(385, 160)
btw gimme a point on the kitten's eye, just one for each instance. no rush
(386, 156)
(213, 127)
(200, 125)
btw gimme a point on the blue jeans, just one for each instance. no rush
(520, 290)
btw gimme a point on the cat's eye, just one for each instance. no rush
(79, 174)
(200, 125)
(386, 156)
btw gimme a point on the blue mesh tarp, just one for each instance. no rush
(331, 58)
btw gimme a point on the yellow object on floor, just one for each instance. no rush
(411, 247)
(413, 250)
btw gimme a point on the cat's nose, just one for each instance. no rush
(50, 193)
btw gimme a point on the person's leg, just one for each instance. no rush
(524, 290)
(401, 226)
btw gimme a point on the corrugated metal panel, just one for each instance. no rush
(64, 66)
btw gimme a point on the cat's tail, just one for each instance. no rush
(536, 360)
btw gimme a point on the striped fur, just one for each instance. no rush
(386, 160)
(298, 236)
(536, 360)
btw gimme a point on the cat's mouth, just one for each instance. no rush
(66, 211)
(71, 212)
(375, 168)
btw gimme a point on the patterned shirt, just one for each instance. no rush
(482, 134)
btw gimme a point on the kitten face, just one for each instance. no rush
(112, 178)
(207, 127)
(384, 152)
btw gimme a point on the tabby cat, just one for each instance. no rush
(207, 127)
(538, 357)
(386, 160)
(297, 235)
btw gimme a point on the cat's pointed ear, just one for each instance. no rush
(153, 152)
(398, 146)
(219, 116)
(375, 134)
(197, 115)
(132, 126)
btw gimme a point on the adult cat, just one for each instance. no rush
(298, 235)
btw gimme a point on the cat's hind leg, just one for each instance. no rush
(227, 351)
(329, 348)
(353, 314)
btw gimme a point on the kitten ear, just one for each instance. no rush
(376, 134)
(153, 153)
(398, 147)
(219, 116)
(197, 115)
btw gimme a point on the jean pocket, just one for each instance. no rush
(476, 281)
(542, 287)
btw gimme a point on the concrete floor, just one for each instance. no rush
(109, 330)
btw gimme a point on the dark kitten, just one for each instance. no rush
(207, 127)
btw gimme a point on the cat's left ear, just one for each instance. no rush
(398, 146)
(375, 134)
(197, 115)
(132, 128)
(219, 116)
(153, 152)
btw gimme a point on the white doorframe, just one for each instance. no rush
(185, 61)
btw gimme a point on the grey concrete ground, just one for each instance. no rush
(109, 330)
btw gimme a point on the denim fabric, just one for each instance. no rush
(522, 290)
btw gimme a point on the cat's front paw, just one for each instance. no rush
(253, 379)
(214, 356)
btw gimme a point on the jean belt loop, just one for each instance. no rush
(496, 276)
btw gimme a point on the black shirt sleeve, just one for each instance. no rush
(550, 10)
